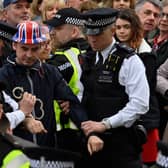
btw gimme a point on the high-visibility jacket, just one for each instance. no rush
(75, 84)
(16, 159)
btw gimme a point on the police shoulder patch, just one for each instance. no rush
(125, 48)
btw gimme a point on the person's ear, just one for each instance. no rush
(9, 131)
(14, 45)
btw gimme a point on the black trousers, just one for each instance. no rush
(121, 150)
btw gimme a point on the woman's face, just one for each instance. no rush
(52, 10)
(46, 45)
(123, 30)
(121, 4)
(163, 22)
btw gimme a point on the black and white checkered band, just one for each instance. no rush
(162, 160)
(5, 34)
(74, 21)
(100, 23)
(51, 164)
(71, 20)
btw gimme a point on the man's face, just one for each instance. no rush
(17, 12)
(26, 54)
(102, 40)
(149, 16)
(61, 35)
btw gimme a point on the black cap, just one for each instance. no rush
(66, 16)
(7, 31)
(8, 2)
(98, 19)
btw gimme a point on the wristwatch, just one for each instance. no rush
(106, 123)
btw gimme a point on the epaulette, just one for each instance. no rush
(126, 49)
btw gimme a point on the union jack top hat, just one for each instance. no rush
(29, 32)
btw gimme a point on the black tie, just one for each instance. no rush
(100, 61)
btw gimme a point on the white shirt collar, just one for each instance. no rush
(106, 51)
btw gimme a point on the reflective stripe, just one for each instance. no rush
(74, 83)
(16, 159)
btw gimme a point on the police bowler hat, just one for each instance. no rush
(96, 20)
(8, 2)
(7, 31)
(66, 16)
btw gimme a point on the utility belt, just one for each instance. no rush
(136, 133)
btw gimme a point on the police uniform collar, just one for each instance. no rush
(66, 16)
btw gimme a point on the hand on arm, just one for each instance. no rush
(92, 126)
(65, 106)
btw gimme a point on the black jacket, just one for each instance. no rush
(47, 84)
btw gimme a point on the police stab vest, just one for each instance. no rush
(104, 96)
(74, 84)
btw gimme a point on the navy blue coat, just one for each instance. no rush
(47, 84)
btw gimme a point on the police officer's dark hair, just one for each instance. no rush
(4, 123)
(140, 3)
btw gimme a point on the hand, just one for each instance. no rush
(92, 126)
(94, 144)
(27, 103)
(65, 106)
(34, 126)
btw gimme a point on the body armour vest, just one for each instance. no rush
(103, 95)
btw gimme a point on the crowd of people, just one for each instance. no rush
(86, 77)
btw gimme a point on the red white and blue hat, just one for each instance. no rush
(29, 32)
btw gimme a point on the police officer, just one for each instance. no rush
(116, 94)
(10, 147)
(6, 33)
(70, 42)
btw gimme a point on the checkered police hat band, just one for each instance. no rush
(162, 160)
(5, 34)
(51, 164)
(74, 21)
(101, 22)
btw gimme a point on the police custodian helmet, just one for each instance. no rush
(98, 19)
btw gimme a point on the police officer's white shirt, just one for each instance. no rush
(15, 117)
(132, 76)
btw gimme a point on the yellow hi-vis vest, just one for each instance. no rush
(72, 56)
(16, 159)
